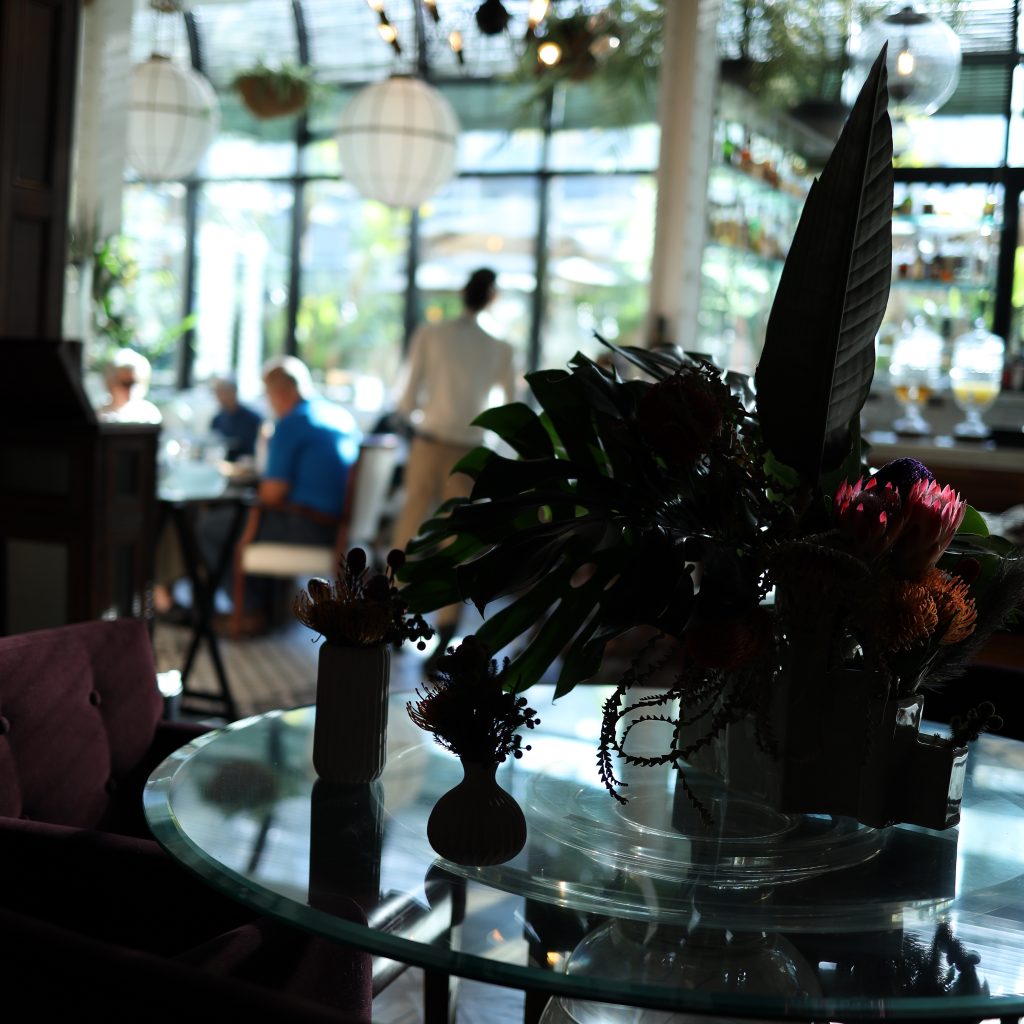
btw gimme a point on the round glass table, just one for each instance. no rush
(635, 905)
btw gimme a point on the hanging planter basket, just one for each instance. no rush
(267, 96)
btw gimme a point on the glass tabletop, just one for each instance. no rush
(805, 917)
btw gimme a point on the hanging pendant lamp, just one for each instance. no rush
(173, 116)
(923, 61)
(397, 141)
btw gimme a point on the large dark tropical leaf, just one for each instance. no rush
(520, 427)
(818, 359)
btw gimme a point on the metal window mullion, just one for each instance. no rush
(186, 344)
(412, 294)
(540, 250)
(291, 345)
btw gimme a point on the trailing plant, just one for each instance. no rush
(616, 52)
(276, 91)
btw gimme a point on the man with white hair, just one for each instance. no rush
(302, 490)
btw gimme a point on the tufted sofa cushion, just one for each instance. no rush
(78, 710)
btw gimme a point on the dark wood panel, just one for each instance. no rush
(38, 68)
(34, 71)
(29, 242)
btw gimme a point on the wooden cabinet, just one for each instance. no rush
(77, 498)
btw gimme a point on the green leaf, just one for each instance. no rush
(583, 659)
(501, 477)
(567, 410)
(573, 609)
(520, 427)
(473, 463)
(658, 365)
(818, 360)
(973, 523)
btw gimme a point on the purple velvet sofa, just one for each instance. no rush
(85, 889)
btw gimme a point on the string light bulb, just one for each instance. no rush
(549, 54)
(376, 5)
(387, 32)
(535, 15)
(455, 42)
(431, 6)
(905, 61)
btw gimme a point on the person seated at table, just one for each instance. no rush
(127, 377)
(236, 423)
(302, 490)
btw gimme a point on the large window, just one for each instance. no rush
(353, 258)
(598, 252)
(241, 293)
(478, 222)
(284, 256)
(151, 258)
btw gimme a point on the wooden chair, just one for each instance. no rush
(367, 492)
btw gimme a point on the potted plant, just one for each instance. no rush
(467, 709)
(828, 596)
(270, 92)
(359, 614)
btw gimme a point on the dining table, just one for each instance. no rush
(739, 913)
(182, 499)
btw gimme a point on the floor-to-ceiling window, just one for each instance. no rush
(267, 249)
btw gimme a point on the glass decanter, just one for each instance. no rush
(976, 372)
(915, 371)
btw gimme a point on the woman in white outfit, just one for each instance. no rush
(452, 368)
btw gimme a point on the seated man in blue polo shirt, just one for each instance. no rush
(302, 487)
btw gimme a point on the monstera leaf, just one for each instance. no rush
(819, 358)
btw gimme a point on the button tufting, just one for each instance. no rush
(111, 786)
(95, 698)
(5, 725)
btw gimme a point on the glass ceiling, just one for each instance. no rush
(344, 47)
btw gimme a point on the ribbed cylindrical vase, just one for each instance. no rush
(477, 822)
(350, 732)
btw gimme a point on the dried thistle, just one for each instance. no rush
(468, 710)
(361, 608)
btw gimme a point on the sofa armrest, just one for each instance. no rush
(112, 887)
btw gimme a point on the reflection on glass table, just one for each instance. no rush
(762, 915)
(976, 373)
(915, 372)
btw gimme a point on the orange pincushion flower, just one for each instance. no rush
(957, 611)
(903, 615)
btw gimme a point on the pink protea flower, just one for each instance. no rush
(931, 516)
(868, 518)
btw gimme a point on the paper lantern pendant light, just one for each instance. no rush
(397, 141)
(173, 116)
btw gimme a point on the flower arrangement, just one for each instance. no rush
(737, 518)
(468, 710)
(361, 608)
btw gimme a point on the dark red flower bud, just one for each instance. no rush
(680, 417)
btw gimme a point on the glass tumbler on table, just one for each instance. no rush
(976, 373)
(915, 371)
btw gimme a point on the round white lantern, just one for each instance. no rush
(173, 115)
(397, 141)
